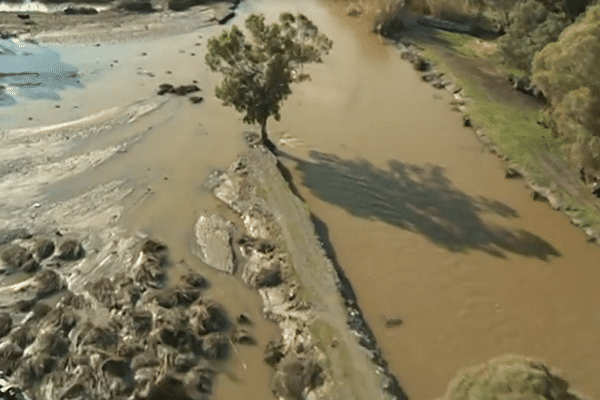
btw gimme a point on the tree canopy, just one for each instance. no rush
(508, 377)
(259, 69)
(567, 72)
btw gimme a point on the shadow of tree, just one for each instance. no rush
(419, 199)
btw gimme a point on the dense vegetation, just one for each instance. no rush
(258, 71)
(508, 377)
(568, 71)
(530, 28)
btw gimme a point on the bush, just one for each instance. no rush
(507, 377)
(531, 28)
(569, 75)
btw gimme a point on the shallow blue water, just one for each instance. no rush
(30, 71)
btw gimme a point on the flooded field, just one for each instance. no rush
(417, 214)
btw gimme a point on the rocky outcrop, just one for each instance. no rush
(122, 335)
(325, 342)
(213, 236)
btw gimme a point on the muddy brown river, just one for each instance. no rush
(414, 210)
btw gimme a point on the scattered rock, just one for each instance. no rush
(104, 291)
(30, 266)
(354, 11)
(295, 377)
(467, 121)
(141, 321)
(72, 10)
(22, 336)
(43, 248)
(224, 18)
(71, 250)
(144, 6)
(5, 324)
(242, 336)
(268, 277)
(208, 317)
(392, 322)
(196, 99)
(185, 295)
(164, 88)
(145, 360)
(200, 378)
(185, 89)
(243, 319)
(7, 236)
(149, 271)
(524, 85)
(25, 305)
(274, 352)
(537, 196)
(16, 256)
(215, 347)
(512, 173)
(117, 367)
(153, 246)
(390, 28)
(195, 280)
(47, 282)
(39, 310)
(166, 299)
(185, 362)
(421, 64)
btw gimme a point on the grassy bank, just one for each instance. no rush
(512, 126)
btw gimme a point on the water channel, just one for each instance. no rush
(415, 211)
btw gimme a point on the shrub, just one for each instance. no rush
(531, 28)
(507, 377)
(569, 75)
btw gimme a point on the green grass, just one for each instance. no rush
(512, 129)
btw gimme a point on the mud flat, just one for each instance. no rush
(326, 350)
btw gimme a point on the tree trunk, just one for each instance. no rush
(263, 132)
(264, 139)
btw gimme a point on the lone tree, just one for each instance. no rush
(258, 71)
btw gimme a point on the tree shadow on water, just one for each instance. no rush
(420, 199)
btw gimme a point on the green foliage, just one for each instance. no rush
(259, 70)
(531, 28)
(569, 75)
(508, 377)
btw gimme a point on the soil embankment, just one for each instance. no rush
(326, 350)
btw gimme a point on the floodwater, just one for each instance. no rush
(417, 214)
(426, 227)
